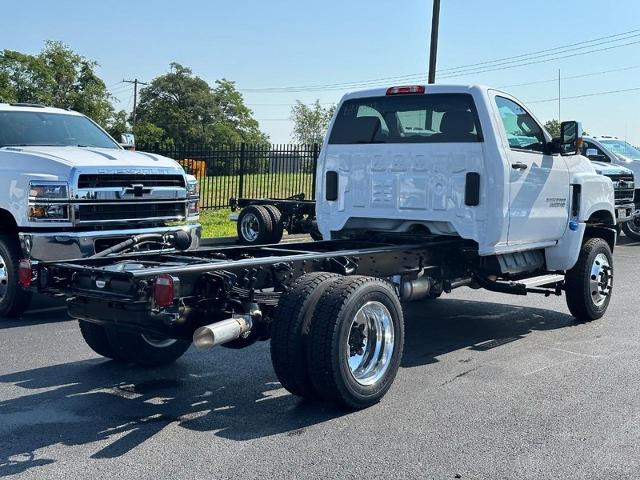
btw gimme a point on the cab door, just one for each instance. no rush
(538, 181)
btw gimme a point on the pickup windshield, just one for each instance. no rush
(415, 118)
(622, 149)
(52, 129)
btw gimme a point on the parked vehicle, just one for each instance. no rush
(420, 192)
(611, 152)
(70, 191)
(263, 221)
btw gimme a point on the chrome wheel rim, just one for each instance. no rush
(156, 341)
(4, 277)
(250, 227)
(601, 279)
(370, 343)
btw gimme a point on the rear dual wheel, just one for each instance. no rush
(340, 340)
(259, 225)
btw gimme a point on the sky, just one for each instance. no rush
(266, 45)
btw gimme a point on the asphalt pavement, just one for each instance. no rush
(491, 386)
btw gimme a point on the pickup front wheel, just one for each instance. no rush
(632, 228)
(589, 283)
(14, 300)
(145, 349)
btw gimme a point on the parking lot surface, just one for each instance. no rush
(491, 386)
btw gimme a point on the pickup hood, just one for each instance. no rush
(604, 168)
(96, 157)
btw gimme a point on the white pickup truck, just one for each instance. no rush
(421, 190)
(68, 190)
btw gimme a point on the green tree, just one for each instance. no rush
(310, 122)
(188, 111)
(118, 124)
(58, 77)
(149, 134)
(553, 127)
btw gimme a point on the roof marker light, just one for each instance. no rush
(405, 89)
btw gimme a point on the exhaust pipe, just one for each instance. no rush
(222, 332)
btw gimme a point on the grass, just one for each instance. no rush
(216, 223)
(217, 190)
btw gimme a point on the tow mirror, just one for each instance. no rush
(128, 141)
(570, 138)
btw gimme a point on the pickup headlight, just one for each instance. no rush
(48, 201)
(193, 188)
(48, 190)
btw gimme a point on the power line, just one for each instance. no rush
(535, 82)
(595, 94)
(552, 51)
(479, 67)
(571, 77)
(571, 55)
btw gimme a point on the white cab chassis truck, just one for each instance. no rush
(421, 190)
(68, 190)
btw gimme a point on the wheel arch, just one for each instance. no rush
(8, 223)
(601, 224)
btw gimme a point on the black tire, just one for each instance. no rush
(276, 222)
(331, 335)
(290, 332)
(96, 337)
(315, 233)
(14, 299)
(632, 228)
(256, 219)
(583, 303)
(133, 347)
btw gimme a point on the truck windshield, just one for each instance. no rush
(622, 149)
(52, 129)
(416, 118)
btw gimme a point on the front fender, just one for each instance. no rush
(596, 195)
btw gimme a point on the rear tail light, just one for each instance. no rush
(407, 89)
(25, 273)
(163, 290)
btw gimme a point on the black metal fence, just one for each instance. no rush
(245, 171)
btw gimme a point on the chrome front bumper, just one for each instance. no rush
(48, 246)
(625, 212)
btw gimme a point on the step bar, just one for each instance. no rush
(545, 284)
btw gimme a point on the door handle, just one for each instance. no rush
(519, 166)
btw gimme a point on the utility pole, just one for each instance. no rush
(559, 118)
(135, 82)
(435, 21)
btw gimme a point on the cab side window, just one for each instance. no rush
(523, 132)
(599, 154)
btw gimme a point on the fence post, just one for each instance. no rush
(316, 151)
(242, 168)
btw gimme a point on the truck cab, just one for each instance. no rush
(69, 191)
(468, 161)
(612, 152)
(623, 178)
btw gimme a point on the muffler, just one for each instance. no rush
(222, 332)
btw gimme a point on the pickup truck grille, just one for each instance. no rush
(623, 188)
(126, 180)
(130, 211)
